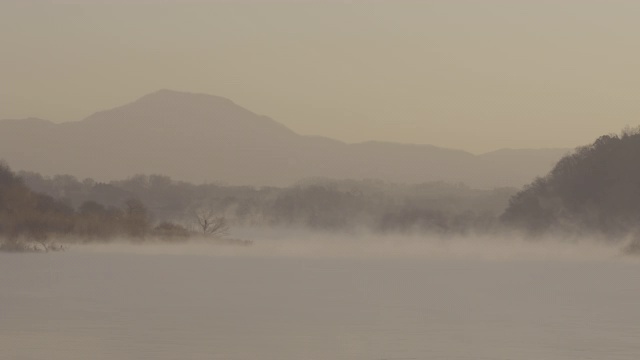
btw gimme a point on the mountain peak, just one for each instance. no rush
(182, 97)
(189, 115)
(170, 106)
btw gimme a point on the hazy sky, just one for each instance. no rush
(474, 75)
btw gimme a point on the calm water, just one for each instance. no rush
(89, 305)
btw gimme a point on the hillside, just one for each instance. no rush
(197, 138)
(596, 189)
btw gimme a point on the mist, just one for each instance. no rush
(296, 288)
(319, 180)
(307, 244)
(295, 294)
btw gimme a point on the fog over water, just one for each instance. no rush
(319, 180)
(302, 243)
(298, 296)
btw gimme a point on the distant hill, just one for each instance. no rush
(595, 190)
(197, 138)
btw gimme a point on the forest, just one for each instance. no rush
(146, 207)
(31, 220)
(593, 191)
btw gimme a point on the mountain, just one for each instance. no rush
(197, 138)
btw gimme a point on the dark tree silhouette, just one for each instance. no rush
(595, 189)
(210, 223)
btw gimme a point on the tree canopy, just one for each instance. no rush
(594, 189)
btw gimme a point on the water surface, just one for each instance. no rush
(118, 305)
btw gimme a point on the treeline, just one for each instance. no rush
(595, 190)
(318, 204)
(31, 220)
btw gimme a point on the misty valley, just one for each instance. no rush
(153, 267)
(319, 180)
(591, 194)
(322, 250)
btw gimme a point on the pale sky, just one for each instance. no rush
(472, 75)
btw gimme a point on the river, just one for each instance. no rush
(192, 305)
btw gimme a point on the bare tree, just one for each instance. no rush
(210, 223)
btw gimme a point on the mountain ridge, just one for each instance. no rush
(197, 137)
